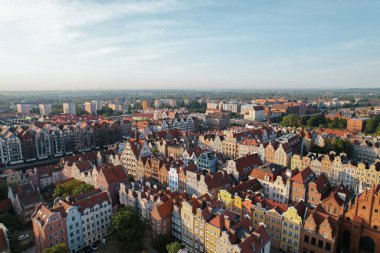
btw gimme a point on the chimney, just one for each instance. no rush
(227, 222)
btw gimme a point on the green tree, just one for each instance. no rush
(35, 111)
(173, 247)
(291, 120)
(370, 126)
(60, 248)
(3, 190)
(128, 228)
(80, 111)
(315, 121)
(73, 187)
(11, 221)
(160, 242)
(342, 123)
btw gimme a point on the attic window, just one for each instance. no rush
(363, 207)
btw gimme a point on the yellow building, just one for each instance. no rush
(221, 222)
(291, 227)
(194, 215)
(258, 214)
(145, 104)
(296, 163)
(232, 199)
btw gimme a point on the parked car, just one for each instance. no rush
(103, 241)
(88, 250)
(23, 237)
(93, 247)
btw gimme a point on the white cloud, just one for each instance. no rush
(59, 21)
(352, 44)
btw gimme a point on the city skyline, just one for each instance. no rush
(199, 44)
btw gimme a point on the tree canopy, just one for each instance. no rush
(128, 228)
(73, 187)
(334, 144)
(373, 125)
(291, 120)
(337, 123)
(173, 247)
(60, 248)
(105, 111)
(160, 242)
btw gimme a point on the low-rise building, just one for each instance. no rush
(319, 232)
(24, 200)
(291, 227)
(49, 228)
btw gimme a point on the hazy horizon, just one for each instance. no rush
(169, 44)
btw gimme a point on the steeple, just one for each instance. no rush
(136, 131)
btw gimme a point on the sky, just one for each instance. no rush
(172, 44)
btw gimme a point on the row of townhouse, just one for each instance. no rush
(196, 180)
(217, 119)
(294, 228)
(203, 158)
(200, 222)
(353, 175)
(237, 143)
(46, 176)
(310, 224)
(28, 143)
(77, 222)
(206, 227)
(183, 123)
(25, 194)
(367, 150)
(106, 177)
(281, 150)
(289, 187)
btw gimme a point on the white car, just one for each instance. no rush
(23, 237)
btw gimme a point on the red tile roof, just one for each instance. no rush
(249, 161)
(90, 199)
(3, 241)
(256, 241)
(5, 205)
(304, 177)
(114, 174)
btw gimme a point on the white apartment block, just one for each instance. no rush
(69, 108)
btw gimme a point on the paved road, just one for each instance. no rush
(30, 250)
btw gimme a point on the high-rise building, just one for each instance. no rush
(69, 108)
(91, 107)
(173, 102)
(120, 100)
(45, 109)
(157, 103)
(186, 101)
(23, 108)
(145, 104)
